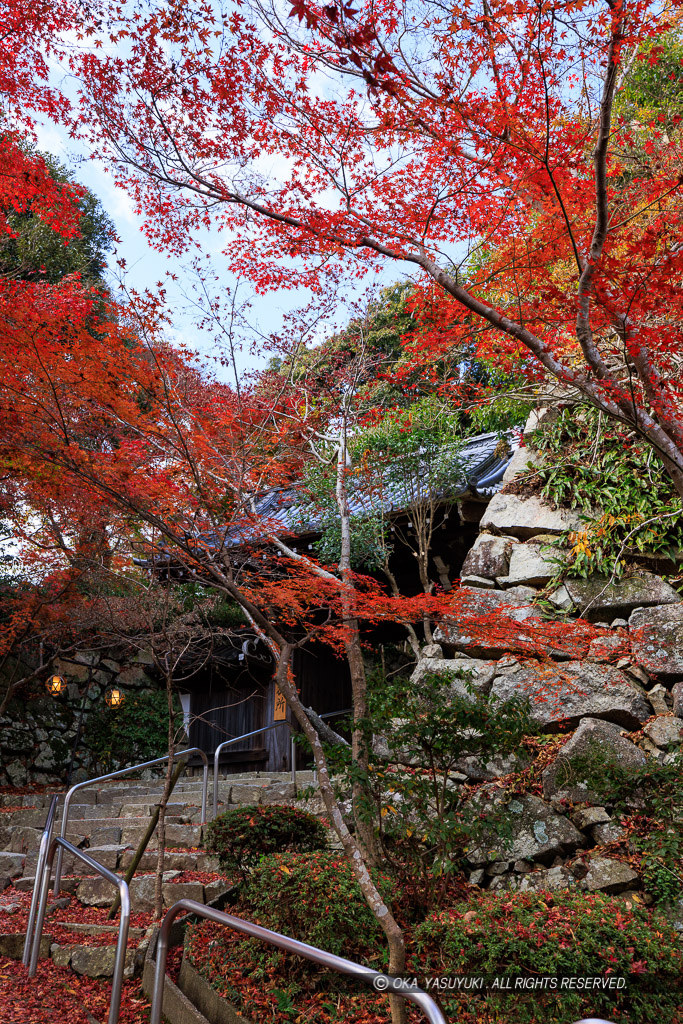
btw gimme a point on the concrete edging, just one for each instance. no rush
(200, 993)
(177, 1006)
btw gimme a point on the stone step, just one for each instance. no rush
(119, 859)
(27, 883)
(142, 806)
(91, 811)
(11, 865)
(176, 835)
(108, 856)
(179, 860)
(142, 796)
(87, 826)
(91, 961)
(99, 929)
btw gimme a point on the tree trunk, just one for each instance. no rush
(168, 786)
(352, 849)
(144, 843)
(361, 803)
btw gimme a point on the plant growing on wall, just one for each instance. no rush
(138, 731)
(611, 476)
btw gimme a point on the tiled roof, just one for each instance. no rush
(471, 468)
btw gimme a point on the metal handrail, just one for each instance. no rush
(257, 732)
(117, 775)
(381, 982)
(42, 854)
(246, 736)
(120, 961)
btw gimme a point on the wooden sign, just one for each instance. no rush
(279, 707)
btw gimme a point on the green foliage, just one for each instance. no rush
(409, 460)
(570, 934)
(315, 898)
(425, 825)
(226, 614)
(654, 84)
(39, 253)
(435, 725)
(416, 448)
(211, 605)
(240, 837)
(626, 497)
(654, 788)
(136, 732)
(500, 407)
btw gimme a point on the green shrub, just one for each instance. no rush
(315, 898)
(425, 822)
(240, 837)
(569, 934)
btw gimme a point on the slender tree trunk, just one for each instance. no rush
(362, 806)
(144, 843)
(161, 829)
(352, 849)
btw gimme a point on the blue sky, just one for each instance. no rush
(146, 266)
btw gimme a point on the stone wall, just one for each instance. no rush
(37, 732)
(625, 696)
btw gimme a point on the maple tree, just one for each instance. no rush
(479, 146)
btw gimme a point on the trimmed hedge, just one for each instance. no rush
(571, 934)
(241, 837)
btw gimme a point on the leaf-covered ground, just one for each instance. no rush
(58, 994)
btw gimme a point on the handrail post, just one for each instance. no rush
(62, 835)
(122, 941)
(40, 914)
(215, 782)
(228, 743)
(205, 786)
(45, 840)
(257, 732)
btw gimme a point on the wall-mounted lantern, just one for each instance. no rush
(115, 698)
(56, 685)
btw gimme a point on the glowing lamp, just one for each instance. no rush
(115, 698)
(56, 685)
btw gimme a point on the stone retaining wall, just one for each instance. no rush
(37, 732)
(629, 682)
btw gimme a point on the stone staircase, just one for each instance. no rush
(109, 823)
